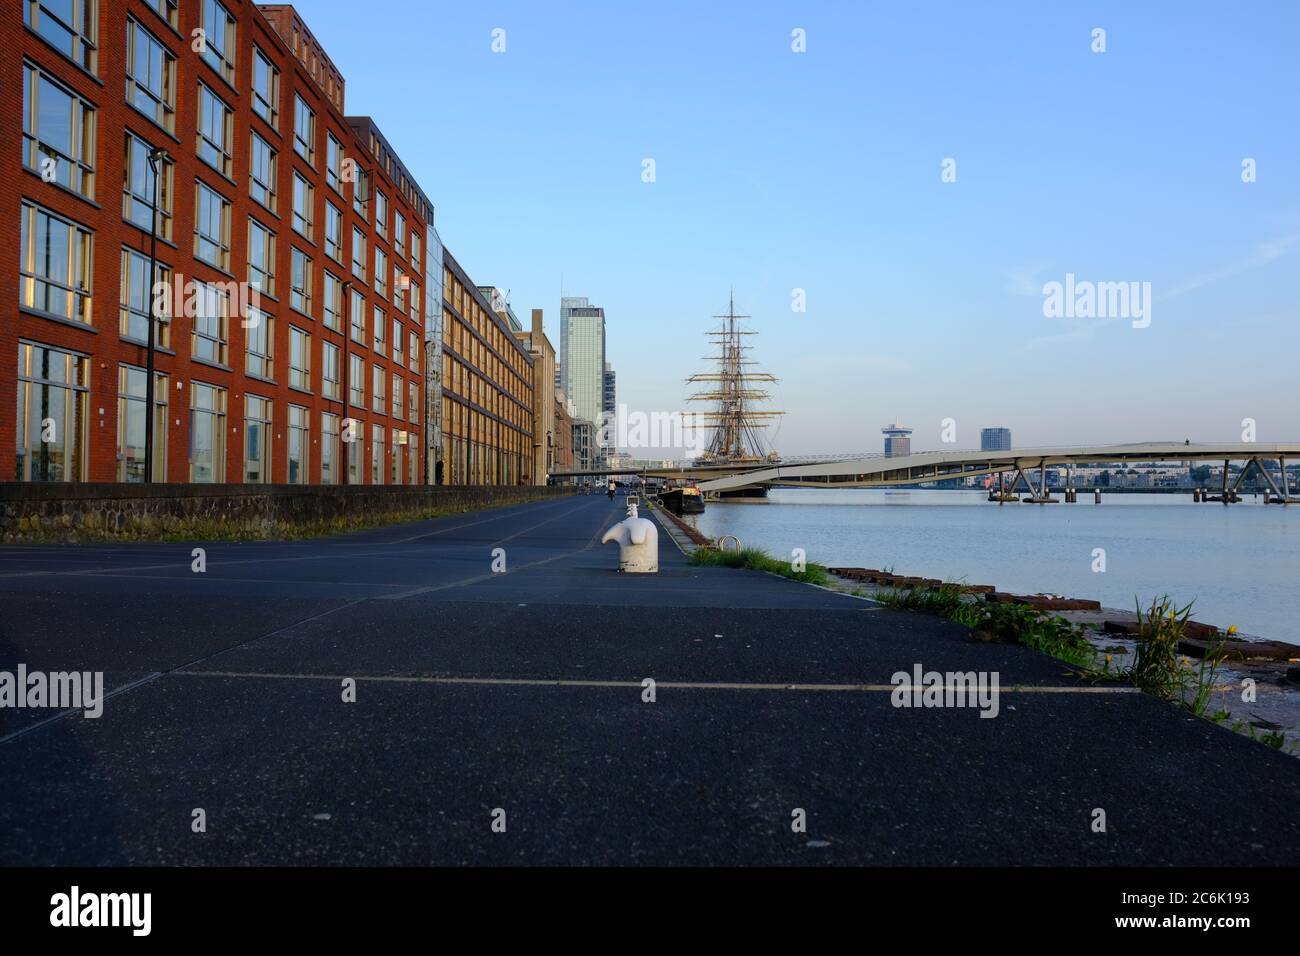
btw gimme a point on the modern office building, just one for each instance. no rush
(586, 454)
(898, 440)
(582, 356)
(609, 391)
(289, 235)
(487, 389)
(995, 439)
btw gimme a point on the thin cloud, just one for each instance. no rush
(1261, 255)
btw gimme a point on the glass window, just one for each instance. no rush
(381, 214)
(209, 328)
(354, 437)
(357, 318)
(136, 299)
(167, 10)
(334, 163)
(358, 253)
(138, 188)
(207, 433)
(398, 439)
(416, 254)
(376, 454)
(298, 445)
(299, 358)
(218, 49)
(58, 133)
(399, 234)
(215, 131)
(378, 327)
(333, 232)
(259, 340)
(56, 265)
(413, 401)
(400, 285)
(261, 173)
(414, 298)
(332, 295)
(399, 395)
(211, 227)
(329, 448)
(397, 341)
(131, 398)
(150, 76)
(303, 200)
(329, 370)
(304, 130)
(300, 291)
(378, 393)
(381, 272)
(361, 194)
(68, 25)
(356, 381)
(261, 257)
(266, 88)
(413, 356)
(257, 439)
(53, 390)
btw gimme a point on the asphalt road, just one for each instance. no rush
(523, 691)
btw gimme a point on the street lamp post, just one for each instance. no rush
(157, 156)
(347, 384)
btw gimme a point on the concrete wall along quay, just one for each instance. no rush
(54, 512)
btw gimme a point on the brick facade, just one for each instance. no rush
(30, 41)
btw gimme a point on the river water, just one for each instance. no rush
(1240, 563)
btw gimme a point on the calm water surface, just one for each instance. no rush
(1241, 563)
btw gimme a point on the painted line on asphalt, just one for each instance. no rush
(77, 710)
(150, 678)
(626, 684)
(494, 575)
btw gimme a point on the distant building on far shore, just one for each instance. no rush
(898, 440)
(995, 439)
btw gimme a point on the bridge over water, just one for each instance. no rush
(877, 471)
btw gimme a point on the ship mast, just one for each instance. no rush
(738, 428)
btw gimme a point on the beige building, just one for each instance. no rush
(563, 434)
(545, 436)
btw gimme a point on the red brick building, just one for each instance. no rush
(291, 236)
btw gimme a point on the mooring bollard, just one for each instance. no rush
(638, 542)
(1096, 496)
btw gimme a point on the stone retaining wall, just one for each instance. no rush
(111, 512)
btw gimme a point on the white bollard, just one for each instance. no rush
(638, 543)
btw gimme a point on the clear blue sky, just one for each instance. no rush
(821, 171)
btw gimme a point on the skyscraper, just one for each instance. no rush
(582, 360)
(995, 439)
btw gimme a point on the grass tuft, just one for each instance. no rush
(756, 559)
(1003, 623)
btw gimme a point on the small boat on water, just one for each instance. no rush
(683, 500)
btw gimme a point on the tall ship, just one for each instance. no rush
(734, 392)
